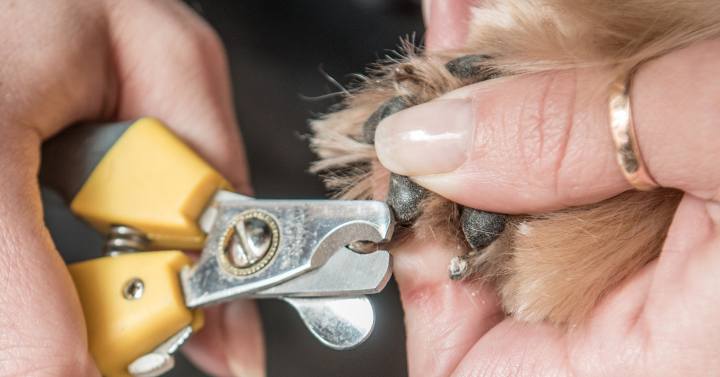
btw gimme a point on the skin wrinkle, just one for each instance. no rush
(76, 54)
(496, 363)
(544, 122)
(420, 298)
(519, 143)
(637, 323)
(479, 147)
(675, 248)
(567, 360)
(666, 157)
(543, 119)
(489, 132)
(565, 138)
(591, 137)
(537, 119)
(26, 300)
(33, 288)
(56, 363)
(522, 143)
(459, 327)
(511, 366)
(635, 355)
(643, 332)
(606, 347)
(433, 301)
(581, 366)
(445, 339)
(660, 287)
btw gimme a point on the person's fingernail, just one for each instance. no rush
(431, 138)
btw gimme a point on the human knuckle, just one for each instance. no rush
(198, 41)
(30, 360)
(558, 108)
(546, 123)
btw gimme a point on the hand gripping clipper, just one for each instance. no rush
(153, 196)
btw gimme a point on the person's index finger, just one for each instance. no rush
(541, 142)
(179, 74)
(443, 318)
(524, 144)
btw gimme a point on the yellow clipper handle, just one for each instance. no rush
(136, 174)
(132, 303)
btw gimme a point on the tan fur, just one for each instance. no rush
(553, 266)
(561, 263)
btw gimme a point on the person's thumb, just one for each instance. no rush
(542, 141)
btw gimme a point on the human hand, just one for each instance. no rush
(542, 142)
(69, 61)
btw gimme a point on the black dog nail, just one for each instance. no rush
(481, 228)
(404, 197)
(471, 68)
(390, 107)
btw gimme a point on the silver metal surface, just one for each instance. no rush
(133, 289)
(339, 323)
(207, 219)
(249, 242)
(160, 360)
(345, 274)
(366, 247)
(310, 233)
(125, 239)
(296, 250)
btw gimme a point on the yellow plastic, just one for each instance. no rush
(152, 181)
(119, 329)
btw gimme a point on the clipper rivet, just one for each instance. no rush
(134, 289)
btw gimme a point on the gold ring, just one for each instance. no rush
(622, 127)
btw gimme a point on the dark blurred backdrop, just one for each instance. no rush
(277, 51)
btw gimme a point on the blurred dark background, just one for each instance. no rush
(277, 52)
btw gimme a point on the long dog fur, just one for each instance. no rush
(552, 266)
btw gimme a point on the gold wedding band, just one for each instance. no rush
(627, 149)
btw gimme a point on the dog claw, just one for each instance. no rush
(390, 107)
(404, 197)
(459, 268)
(471, 68)
(481, 228)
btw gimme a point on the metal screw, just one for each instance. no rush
(134, 289)
(250, 242)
